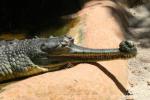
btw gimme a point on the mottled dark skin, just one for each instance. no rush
(23, 58)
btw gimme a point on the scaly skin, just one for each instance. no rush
(22, 58)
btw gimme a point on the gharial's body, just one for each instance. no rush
(22, 58)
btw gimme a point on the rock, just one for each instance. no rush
(101, 28)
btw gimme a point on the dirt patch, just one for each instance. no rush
(139, 67)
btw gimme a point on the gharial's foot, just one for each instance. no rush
(32, 70)
(28, 71)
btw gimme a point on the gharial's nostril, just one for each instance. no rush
(127, 46)
(130, 44)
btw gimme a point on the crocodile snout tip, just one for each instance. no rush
(128, 47)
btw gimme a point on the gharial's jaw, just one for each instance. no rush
(73, 53)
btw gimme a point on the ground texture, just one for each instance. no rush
(139, 67)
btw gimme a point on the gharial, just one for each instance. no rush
(22, 58)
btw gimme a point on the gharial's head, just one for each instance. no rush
(57, 45)
(63, 49)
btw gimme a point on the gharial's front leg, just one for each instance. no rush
(18, 67)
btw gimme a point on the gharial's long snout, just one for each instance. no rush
(74, 53)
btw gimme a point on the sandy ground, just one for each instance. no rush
(139, 67)
(139, 75)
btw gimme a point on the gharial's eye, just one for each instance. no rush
(49, 46)
(44, 47)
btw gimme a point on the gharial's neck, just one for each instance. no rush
(31, 47)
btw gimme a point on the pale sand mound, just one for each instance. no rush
(83, 82)
(139, 67)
